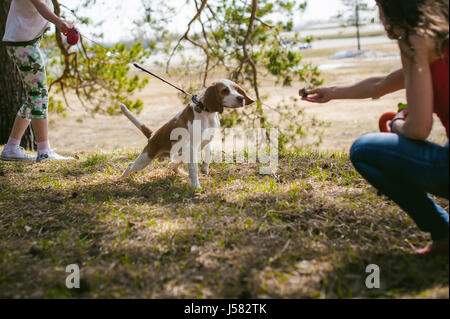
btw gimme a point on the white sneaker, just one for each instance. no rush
(44, 155)
(15, 154)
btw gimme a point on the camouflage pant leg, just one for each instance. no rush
(30, 62)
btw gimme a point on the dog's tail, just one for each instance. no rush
(144, 128)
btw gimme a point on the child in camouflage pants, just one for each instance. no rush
(31, 64)
(26, 24)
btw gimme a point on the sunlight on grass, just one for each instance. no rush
(308, 230)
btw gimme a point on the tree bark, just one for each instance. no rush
(358, 36)
(12, 93)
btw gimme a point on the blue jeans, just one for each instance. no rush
(407, 171)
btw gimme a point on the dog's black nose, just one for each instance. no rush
(240, 99)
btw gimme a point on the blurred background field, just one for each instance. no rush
(345, 120)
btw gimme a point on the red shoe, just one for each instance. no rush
(435, 248)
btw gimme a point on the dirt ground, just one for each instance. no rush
(348, 119)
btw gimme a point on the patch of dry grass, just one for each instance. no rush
(307, 232)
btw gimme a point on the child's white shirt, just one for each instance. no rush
(24, 22)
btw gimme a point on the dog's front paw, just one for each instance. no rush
(127, 172)
(196, 186)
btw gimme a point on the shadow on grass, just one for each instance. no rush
(400, 274)
(154, 238)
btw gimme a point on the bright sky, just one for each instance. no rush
(118, 17)
(320, 10)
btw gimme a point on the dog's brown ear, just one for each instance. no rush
(248, 99)
(212, 99)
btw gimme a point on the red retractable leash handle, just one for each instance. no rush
(388, 117)
(72, 36)
(384, 120)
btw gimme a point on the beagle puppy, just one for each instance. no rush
(211, 102)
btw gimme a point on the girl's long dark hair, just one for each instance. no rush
(422, 17)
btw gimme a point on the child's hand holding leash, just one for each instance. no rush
(63, 26)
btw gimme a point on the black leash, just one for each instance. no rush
(161, 79)
(199, 107)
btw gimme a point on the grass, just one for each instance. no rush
(308, 231)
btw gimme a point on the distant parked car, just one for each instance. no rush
(305, 46)
(286, 42)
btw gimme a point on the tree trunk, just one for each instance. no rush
(12, 94)
(358, 36)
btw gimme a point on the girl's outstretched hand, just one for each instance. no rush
(319, 95)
